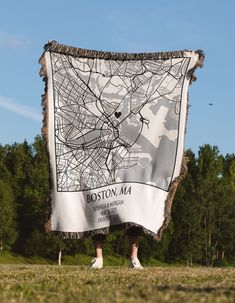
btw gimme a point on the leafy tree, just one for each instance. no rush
(8, 232)
(186, 244)
(201, 231)
(4, 172)
(19, 160)
(225, 225)
(208, 186)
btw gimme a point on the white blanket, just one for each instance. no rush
(114, 125)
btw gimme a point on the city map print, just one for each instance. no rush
(116, 120)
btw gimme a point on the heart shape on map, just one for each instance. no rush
(117, 114)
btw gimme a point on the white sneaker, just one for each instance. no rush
(135, 263)
(96, 263)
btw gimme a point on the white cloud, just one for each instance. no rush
(19, 109)
(12, 41)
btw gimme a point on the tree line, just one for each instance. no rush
(201, 230)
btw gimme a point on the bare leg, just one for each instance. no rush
(99, 248)
(97, 262)
(133, 236)
(134, 245)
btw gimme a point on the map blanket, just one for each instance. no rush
(114, 124)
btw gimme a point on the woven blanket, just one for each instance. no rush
(114, 124)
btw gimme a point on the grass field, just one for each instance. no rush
(49, 283)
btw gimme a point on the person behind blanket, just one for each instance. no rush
(133, 234)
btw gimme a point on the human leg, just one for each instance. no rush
(98, 243)
(97, 261)
(133, 236)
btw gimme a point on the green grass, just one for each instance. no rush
(11, 258)
(50, 283)
(78, 259)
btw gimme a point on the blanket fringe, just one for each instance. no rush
(103, 231)
(170, 197)
(200, 62)
(48, 227)
(43, 74)
(75, 51)
(44, 132)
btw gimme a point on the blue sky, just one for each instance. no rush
(124, 25)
